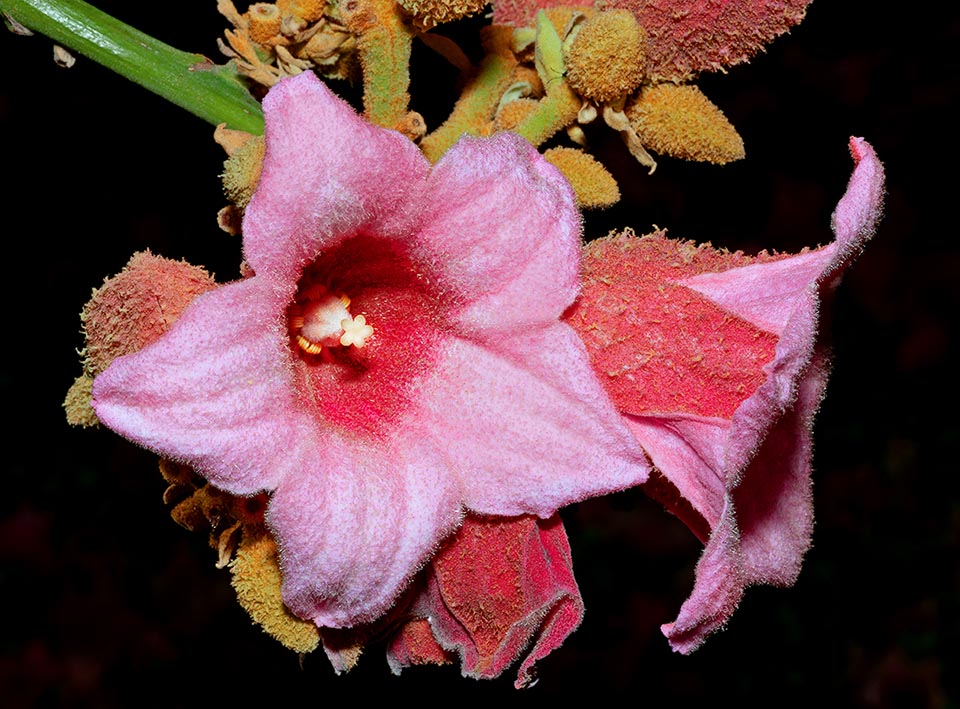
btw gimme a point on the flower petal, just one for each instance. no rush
(527, 428)
(742, 462)
(502, 233)
(327, 175)
(357, 521)
(214, 392)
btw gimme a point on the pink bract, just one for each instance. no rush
(470, 395)
(717, 362)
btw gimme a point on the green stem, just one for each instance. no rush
(475, 108)
(191, 81)
(557, 110)
(384, 44)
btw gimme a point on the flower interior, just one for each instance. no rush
(363, 328)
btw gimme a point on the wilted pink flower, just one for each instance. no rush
(396, 358)
(718, 365)
(499, 590)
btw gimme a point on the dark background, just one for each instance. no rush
(108, 603)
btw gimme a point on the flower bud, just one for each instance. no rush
(606, 59)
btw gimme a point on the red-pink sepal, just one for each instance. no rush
(498, 591)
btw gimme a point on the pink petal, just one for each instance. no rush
(214, 392)
(489, 202)
(357, 522)
(745, 470)
(327, 175)
(694, 445)
(470, 393)
(526, 427)
(498, 591)
(768, 458)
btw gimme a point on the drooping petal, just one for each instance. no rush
(215, 392)
(499, 590)
(739, 456)
(765, 525)
(526, 427)
(327, 175)
(489, 205)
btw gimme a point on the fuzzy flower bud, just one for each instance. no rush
(606, 59)
(681, 122)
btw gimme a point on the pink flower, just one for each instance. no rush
(498, 590)
(717, 362)
(396, 359)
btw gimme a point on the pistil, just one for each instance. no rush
(321, 319)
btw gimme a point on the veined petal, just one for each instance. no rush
(357, 521)
(738, 451)
(502, 233)
(214, 392)
(327, 175)
(526, 426)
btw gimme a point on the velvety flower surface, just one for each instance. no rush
(717, 362)
(685, 37)
(497, 591)
(468, 394)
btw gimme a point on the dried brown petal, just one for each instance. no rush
(257, 580)
(77, 403)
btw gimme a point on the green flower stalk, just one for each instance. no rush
(214, 93)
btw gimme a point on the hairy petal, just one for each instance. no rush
(530, 430)
(214, 393)
(744, 468)
(327, 175)
(357, 522)
(488, 205)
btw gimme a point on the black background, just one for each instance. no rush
(108, 603)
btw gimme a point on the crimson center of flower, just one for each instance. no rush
(365, 327)
(320, 318)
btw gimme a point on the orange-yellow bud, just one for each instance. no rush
(606, 59)
(681, 122)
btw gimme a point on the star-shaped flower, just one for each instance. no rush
(467, 394)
